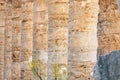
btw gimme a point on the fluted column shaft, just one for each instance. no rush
(26, 38)
(8, 41)
(57, 35)
(2, 37)
(83, 15)
(40, 35)
(16, 39)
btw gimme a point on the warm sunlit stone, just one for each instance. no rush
(60, 32)
(108, 27)
(83, 15)
(2, 37)
(8, 41)
(26, 38)
(57, 35)
(40, 35)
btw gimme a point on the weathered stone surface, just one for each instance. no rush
(16, 71)
(16, 39)
(41, 32)
(108, 27)
(118, 2)
(8, 42)
(2, 38)
(107, 67)
(40, 35)
(57, 34)
(83, 15)
(26, 38)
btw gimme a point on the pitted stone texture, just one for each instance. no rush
(16, 75)
(26, 38)
(107, 67)
(2, 38)
(40, 30)
(83, 72)
(16, 39)
(26, 73)
(83, 16)
(8, 42)
(108, 27)
(57, 34)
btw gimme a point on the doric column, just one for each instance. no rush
(8, 41)
(26, 38)
(16, 39)
(83, 15)
(108, 27)
(57, 35)
(2, 37)
(40, 35)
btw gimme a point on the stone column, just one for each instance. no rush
(40, 35)
(57, 35)
(16, 39)
(26, 38)
(8, 41)
(2, 37)
(108, 27)
(83, 15)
